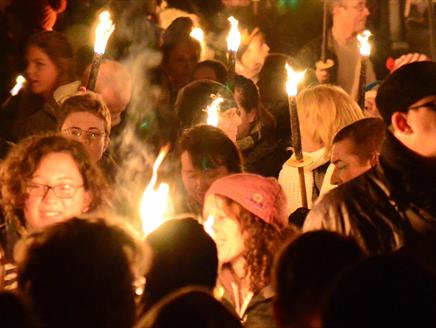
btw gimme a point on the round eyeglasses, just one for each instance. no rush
(63, 190)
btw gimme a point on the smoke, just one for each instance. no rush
(133, 44)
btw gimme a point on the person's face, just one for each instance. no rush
(254, 56)
(204, 72)
(42, 74)
(229, 122)
(181, 63)
(57, 170)
(347, 164)
(226, 230)
(421, 131)
(89, 130)
(246, 118)
(198, 181)
(353, 15)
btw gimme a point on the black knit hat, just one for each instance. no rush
(406, 86)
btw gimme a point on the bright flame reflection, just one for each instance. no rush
(155, 203)
(294, 78)
(198, 34)
(207, 225)
(365, 47)
(234, 37)
(19, 82)
(103, 31)
(213, 111)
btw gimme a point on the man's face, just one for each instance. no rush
(88, 129)
(115, 105)
(421, 118)
(347, 164)
(352, 15)
(198, 181)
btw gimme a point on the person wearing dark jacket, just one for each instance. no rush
(263, 152)
(393, 204)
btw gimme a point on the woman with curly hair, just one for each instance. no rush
(44, 180)
(248, 212)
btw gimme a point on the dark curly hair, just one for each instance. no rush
(23, 160)
(261, 240)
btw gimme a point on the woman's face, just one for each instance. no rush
(246, 118)
(181, 63)
(55, 191)
(226, 230)
(229, 122)
(42, 74)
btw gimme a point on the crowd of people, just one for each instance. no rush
(240, 246)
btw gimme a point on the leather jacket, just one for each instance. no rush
(386, 207)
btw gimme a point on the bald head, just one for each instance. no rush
(114, 84)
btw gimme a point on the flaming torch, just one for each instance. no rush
(365, 51)
(198, 34)
(233, 42)
(213, 111)
(19, 83)
(155, 202)
(103, 31)
(292, 82)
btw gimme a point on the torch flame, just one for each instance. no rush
(365, 47)
(198, 34)
(19, 82)
(213, 111)
(207, 225)
(234, 37)
(155, 203)
(294, 78)
(103, 31)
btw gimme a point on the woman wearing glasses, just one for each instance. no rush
(45, 180)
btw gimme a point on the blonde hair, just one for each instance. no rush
(324, 110)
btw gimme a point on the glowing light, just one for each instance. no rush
(207, 225)
(234, 37)
(213, 111)
(155, 203)
(365, 47)
(103, 31)
(198, 34)
(294, 78)
(19, 82)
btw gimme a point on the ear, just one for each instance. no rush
(400, 124)
(373, 161)
(107, 139)
(252, 115)
(87, 200)
(82, 89)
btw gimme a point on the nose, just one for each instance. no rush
(49, 196)
(335, 180)
(366, 11)
(30, 70)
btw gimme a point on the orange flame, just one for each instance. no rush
(365, 47)
(155, 203)
(294, 78)
(103, 31)
(234, 37)
(213, 111)
(19, 82)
